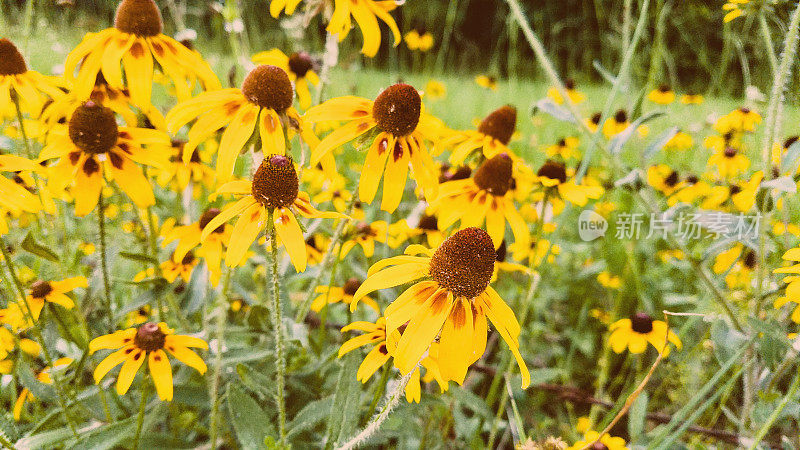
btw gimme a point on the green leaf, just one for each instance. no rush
(337, 422)
(658, 144)
(619, 141)
(138, 257)
(30, 245)
(791, 159)
(111, 436)
(608, 76)
(471, 402)
(311, 414)
(548, 106)
(251, 423)
(28, 379)
(258, 382)
(637, 416)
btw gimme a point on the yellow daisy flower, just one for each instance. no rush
(453, 302)
(486, 82)
(607, 280)
(365, 235)
(54, 292)
(273, 194)
(681, 141)
(276, 7)
(739, 263)
(492, 136)
(486, 197)
(189, 237)
(135, 44)
(663, 179)
(300, 68)
(148, 341)
(420, 40)
(401, 129)
(575, 96)
(616, 124)
(30, 88)
(689, 191)
(663, 95)
(182, 173)
(427, 226)
(691, 98)
(553, 177)
(729, 162)
(604, 442)
(16, 198)
(435, 90)
(635, 332)
(344, 294)
(365, 13)
(44, 376)
(265, 99)
(93, 148)
(565, 148)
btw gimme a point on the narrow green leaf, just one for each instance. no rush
(658, 144)
(30, 245)
(138, 257)
(251, 423)
(637, 416)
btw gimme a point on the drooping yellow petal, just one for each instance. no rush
(421, 331)
(128, 371)
(291, 235)
(110, 361)
(161, 371)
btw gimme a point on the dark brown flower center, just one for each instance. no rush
(275, 184)
(149, 337)
(351, 286)
(188, 259)
(750, 260)
(397, 109)
(744, 110)
(207, 217)
(664, 88)
(621, 116)
(494, 175)
(268, 87)
(501, 252)
(789, 141)
(692, 179)
(730, 152)
(500, 124)
(734, 189)
(139, 17)
(553, 170)
(40, 289)
(641, 323)
(596, 118)
(300, 63)
(93, 128)
(598, 446)
(428, 223)
(569, 84)
(11, 61)
(464, 262)
(672, 179)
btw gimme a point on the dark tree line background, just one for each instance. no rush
(685, 43)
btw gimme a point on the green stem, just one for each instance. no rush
(277, 319)
(27, 312)
(379, 390)
(776, 413)
(6, 443)
(763, 28)
(336, 239)
(142, 408)
(215, 381)
(101, 223)
(15, 99)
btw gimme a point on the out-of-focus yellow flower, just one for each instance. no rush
(566, 148)
(663, 95)
(681, 141)
(691, 99)
(435, 90)
(734, 9)
(487, 82)
(607, 280)
(574, 95)
(419, 40)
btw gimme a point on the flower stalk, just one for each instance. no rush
(277, 319)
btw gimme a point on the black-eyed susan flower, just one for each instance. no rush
(502, 265)
(273, 194)
(29, 87)
(435, 90)
(375, 334)
(419, 40)
(136, 43)
(565, 148)
(737, 263)
(635, 332)
(45, 377)
(558, 186)
(486, 197)
(734, 9)
(663, 179)
(729, 162)
(681, 141)
(662, 95)
(16, 198)
(616, 124)
(690, 189)
(211, 248)
(93, 148)
(365, 235)
(604, 442)
(453, 302)
(265, 99)
(575, 96)
(276, 7)
(300, 68)
(486, 82)
(742, 119)
(691, 98)
(182, 173)
(340, 294)
(42, 291)
(182, 267)
(401, 129)
(149, 341)
(365, 13)
(492, 136)
(401, 232)
(792, 280)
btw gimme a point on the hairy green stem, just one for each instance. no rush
(379, 390)
(277, 319)
(215, 380)
(142, 408)
(776, 413)
(101, 224)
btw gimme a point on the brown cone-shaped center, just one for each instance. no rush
(500, 124)
(207, 217)
(397, 109)
(275, 184)
(11, 61)
(692, 179)
(188, 259)
(553, 170)
(672, 179)
(596, 118)
(730, 152)
(641, 323)
(664, 88)
(40, 289)
(464, 263)
(351, 286)
(139, 17)
(621, 116)
(502, 251)
(428, 223)
(750, 260)
(789, 141)
(268, 87)
(300, 63)
(598, 446)
(149, 337)
(494, 175)
(734, 189)
(93, 128)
